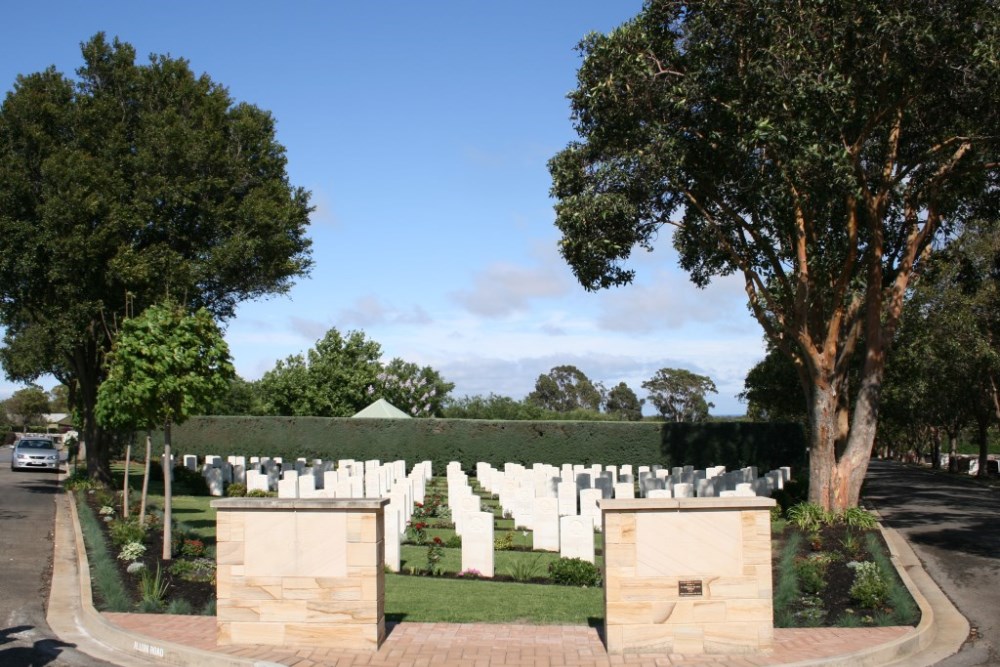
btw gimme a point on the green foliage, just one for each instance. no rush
(563, 389)
(524, 569)
(260, 493)
(818, 151)
(680, 395)
(811, 573)
(419, 392)
(126, 531)
(164, 366)
(331, 380)
(807, 516)
(733, 444)
(178, 606)
(623, 404)
(152, 589)
(132, 551)
(773, 390)
(786, 588)
(503, 541)
(869, 588)
(121, 186)
(493, 407)
(199, 569)
(236, 490)
(574, 572)
(28, 406)
(110, 591)
(858, 517)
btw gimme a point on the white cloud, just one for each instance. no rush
(672, 302)
(504, 289)
(370, 310)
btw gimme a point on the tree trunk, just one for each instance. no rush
(128, 462)
(167, 495)
(86, 367)
(936, 449)
(145, 479)
(953, 451)
(984, 447)
(837, 464)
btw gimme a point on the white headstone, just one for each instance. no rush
(546, 519)
(477, 543)
(576, 538)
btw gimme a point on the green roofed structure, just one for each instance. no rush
(381, 409)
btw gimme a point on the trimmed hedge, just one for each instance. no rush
(732, 444)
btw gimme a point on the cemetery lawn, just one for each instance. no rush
(445, 600)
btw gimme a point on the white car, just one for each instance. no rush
(34, 454)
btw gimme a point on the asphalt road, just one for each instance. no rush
(27, 514)
(953, 525)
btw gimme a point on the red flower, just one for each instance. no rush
(437, 540)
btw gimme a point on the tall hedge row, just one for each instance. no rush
(733, 444)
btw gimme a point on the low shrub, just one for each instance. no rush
(858, 517)
(811, 573)
(807, 517)
(132, 551)
(524, 569)
(574, 572)
(260, 493)
(503, 542)
(199, 569)
(236, 490)
(124, 531)
(870, 588)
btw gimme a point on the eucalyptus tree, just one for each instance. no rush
(817, 150)
(165, 366)
(680, 395)
(120, 187)
(564, 389)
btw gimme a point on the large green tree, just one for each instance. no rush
(330, 380)
(680, 395)
(165, 365)
(623, 404)
(28, 406)
(420, 391)
(815, 149)
(120, 187)
(564, 389)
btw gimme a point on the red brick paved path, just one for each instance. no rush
(486, 645)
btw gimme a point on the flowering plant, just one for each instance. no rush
(435, 552)
(471, 573)
(418, 532)
(193, 548)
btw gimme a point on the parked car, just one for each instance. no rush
(34, 454)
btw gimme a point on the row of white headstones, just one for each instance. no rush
(558, 504)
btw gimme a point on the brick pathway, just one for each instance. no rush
(487, 645)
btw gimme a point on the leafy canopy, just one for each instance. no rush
(122, 187)
(564, 389)
(164, 367)
(815, 149)
(680, 395)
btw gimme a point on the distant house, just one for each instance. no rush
(381, 409)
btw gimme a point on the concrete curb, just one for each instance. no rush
(97, 636)
(941, 632)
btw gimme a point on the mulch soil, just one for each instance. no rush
(197, 593)
(836, 597)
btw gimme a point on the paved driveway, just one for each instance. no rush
(953, 524)
(27, 513)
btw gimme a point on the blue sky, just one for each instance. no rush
(423, 130)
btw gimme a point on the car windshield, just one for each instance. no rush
(35, 444)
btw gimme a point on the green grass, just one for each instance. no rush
(434, 599)
(504, 562)
(105, 580)
(786, 589)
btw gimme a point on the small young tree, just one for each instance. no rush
(165, 366)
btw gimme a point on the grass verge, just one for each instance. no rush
(436, 599)
(111, 594)
(786, 588)
(904, 610)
